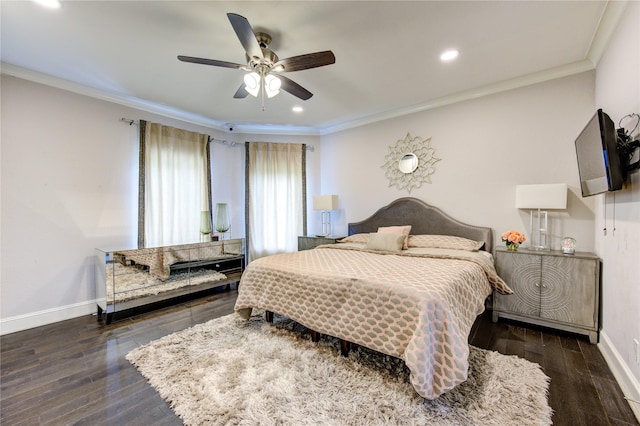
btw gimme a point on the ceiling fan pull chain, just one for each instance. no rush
(262, 89)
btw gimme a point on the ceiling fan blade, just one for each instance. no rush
(213, 62)
(241, 93)
(304, 62)
(294, 88)
(246, 35)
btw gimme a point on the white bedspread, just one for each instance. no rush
(418, 306)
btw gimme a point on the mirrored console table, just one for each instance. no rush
(130, 282)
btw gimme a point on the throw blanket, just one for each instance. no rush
(418, 305)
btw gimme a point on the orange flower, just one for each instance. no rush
(514, 236)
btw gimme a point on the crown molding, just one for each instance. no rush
(502, 86)
(128, 101)
(611, 16)
(141, 104)
(132, 102)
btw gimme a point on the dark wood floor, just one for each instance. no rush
(75, 371)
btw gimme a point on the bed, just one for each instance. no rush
(413, 297)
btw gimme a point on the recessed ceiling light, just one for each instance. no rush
(51, 4)
(449, 55)
(297, 108)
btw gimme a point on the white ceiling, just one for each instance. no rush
(387, 54)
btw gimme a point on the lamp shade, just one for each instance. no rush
(546, 196)
(272, 85)
(325, 202)
(252, 83)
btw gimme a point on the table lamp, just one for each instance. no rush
(325, 203)
(537, 198)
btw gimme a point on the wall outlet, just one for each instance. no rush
(637, 351)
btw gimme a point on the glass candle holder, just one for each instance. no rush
(568, 245)
(205, 222)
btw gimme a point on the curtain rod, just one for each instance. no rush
(234, 143)
(131, 122)
(225, 142)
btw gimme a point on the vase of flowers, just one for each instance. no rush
(513, 239)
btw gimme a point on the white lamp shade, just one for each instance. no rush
(547, 196)
(325, 202)
(272, 85)
(252, 83)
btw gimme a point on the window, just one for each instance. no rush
(174, 185)
(276, 199)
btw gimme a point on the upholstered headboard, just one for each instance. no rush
(424, 219)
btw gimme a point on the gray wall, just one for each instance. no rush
(487, 146)
(69, 182)
(618, 94)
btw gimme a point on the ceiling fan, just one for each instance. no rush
(263, 64)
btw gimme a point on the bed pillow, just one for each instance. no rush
(444, 241)
(403, 230)
(356, 238)
(385, 241)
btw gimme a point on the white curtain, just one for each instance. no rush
(176, 185)
(275, 176)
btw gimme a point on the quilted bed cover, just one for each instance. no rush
(418, 305)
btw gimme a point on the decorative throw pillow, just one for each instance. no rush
(444, 241)
(404, 230)
(356, 238)
(385, 242)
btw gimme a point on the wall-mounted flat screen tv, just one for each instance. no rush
(598, 158)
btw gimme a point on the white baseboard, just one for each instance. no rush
(48, 316)
(628, 383)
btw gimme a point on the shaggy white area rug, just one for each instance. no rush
(231, 371)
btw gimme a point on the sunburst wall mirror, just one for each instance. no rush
(410, 163)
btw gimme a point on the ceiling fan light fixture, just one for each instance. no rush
(272, 85)
(262, 62)
(252, 83)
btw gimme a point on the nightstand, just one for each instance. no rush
(551, 289)
(309, 242)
